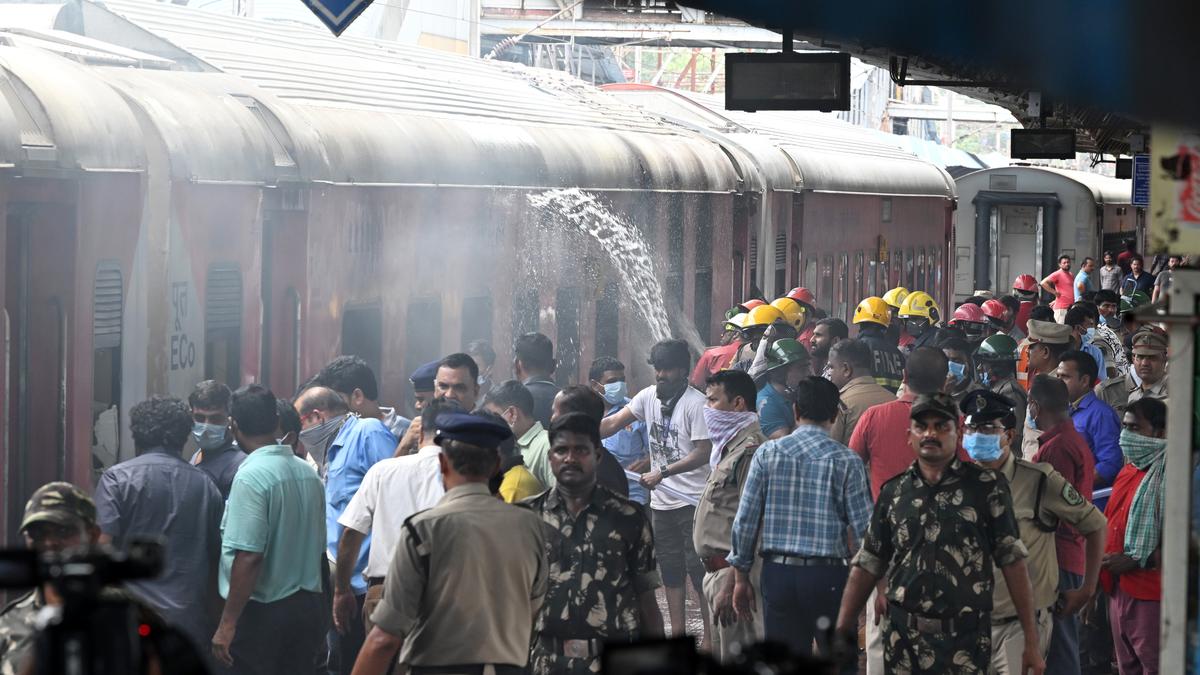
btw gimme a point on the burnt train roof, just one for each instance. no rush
(826, 154)
(264, 102)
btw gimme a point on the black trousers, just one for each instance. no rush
(280, 637)
(796, 598)
(343, 649)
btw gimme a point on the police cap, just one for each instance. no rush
(983, 406)
(471, 429)
(1049, 332)
(1149, 342)
(939, 404)
(62, 504)
(422, 378)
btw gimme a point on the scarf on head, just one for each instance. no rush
(1144, 528)
(723, 425)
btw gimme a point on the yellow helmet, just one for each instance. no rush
(920, 305)
(763, 315)
(895, 297)
(872, 309)
(793, 313)
(736, 322)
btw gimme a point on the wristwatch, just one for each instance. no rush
(665, 471)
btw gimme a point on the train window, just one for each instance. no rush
(780, 264)
(909, 277)
(859, 280)
(936, 285)
(826, 293)
(608, 321)
(107, 311)
(886, 210)
(362, 334)
(476, 319)
(294, 314)
(753, 267)
(567, 349)
(919, 284)
(739, 277)
(223, 324)
(674, 289)
(526, 312)
(844, 287)
(810, 275)
(423, 335)
(702, 295)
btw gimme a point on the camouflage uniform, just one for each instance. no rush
(936, 544)
(61, 504)
(601, 562)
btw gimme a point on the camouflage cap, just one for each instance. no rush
(60, 503)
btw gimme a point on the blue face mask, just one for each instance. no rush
(982, 447)
(958, 370)
(615, 393)
(208, 436)
(1089, 336)
(1029, 421)
(985, 378)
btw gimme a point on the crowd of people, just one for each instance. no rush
(973, 492)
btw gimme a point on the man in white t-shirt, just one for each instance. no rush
(391, 491)
(679, 451)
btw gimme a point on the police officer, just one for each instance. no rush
(59, 516)
(423, 391)
(938, 532)
(872, 316)
(1042, 499)
(468, 576)
(996, 365)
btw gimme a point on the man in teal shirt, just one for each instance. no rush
(272, 550)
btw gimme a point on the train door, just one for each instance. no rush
(1016, 237)
(39, 269)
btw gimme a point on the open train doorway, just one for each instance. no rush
(1016, 234)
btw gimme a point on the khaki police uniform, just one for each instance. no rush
(713, 532)
(1119, 392)
(1041, 498)
(857, 395)
(466, 583)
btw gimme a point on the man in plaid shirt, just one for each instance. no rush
(803, 493)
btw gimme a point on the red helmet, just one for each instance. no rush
(802, 294)
(996, 310)
(969, 312)
(1025, 283)
(752, 303)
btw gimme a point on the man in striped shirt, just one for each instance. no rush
(803, 493)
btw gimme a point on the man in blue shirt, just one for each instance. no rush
(629, 446)
(1084, 285)
(1083, 329)
(787, 363)
(1094, 419)
(803, 493)
(344, 446)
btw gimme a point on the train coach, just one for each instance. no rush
(244, 200)
(836, 209)
(1020, 219)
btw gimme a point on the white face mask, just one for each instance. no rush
(317, 438)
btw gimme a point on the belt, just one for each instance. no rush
(469, 669)
(577, 649)
(1005, 620)
(803, 561)
(714, 563)
(929, 624)
(375, 581)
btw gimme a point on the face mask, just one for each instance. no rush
(1089, 336)
(958, 370)
(985, 378)
(1029, 421)
(616, 392)
(666, 392)
(316, 439)
(208, 436)
(982, 447)
(1141, 451)
(480, 380)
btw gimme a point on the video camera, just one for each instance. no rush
(96, 629)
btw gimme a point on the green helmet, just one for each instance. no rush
(732, 312)
(785, 351)
(998, 347)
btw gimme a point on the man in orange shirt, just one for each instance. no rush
(1061, 285)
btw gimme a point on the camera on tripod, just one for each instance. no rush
(92, 628)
